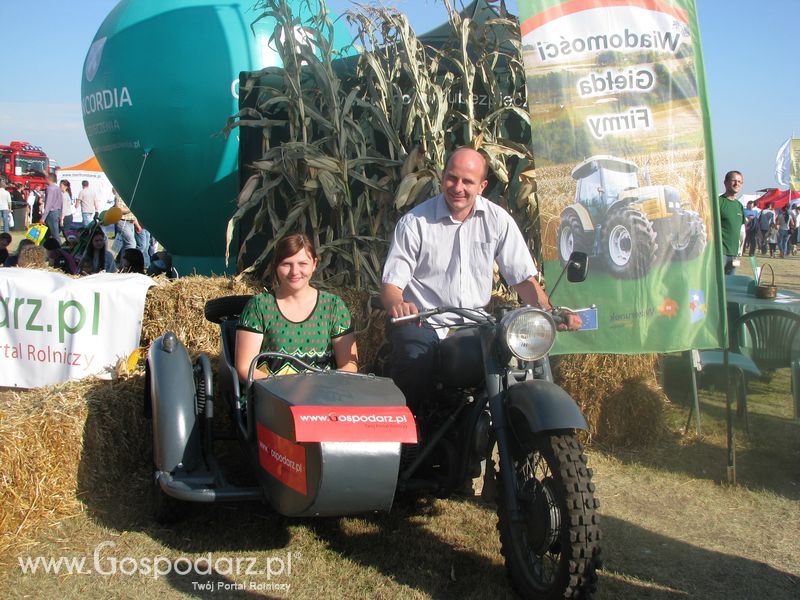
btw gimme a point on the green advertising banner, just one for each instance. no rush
(623, 164)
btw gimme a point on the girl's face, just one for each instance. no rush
(294, 272)
(98, 241)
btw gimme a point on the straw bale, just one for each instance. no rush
(618, 394)
(32, 257)
(367, 322)
(633, 415)
(59, 444)
(177, 305)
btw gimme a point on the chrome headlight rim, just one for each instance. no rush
(512, 321)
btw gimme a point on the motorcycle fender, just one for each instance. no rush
(176, 432)
(542, 406)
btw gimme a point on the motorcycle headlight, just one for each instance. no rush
(529, 333)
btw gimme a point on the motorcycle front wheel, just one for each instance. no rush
(552, 550)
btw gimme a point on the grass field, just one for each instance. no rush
(672, 527)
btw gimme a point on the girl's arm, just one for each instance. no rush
(248, 345)
(346, 353)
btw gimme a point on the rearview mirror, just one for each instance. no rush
(578, 267)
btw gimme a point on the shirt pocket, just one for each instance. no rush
(482, 261)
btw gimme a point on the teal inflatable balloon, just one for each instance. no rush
(159, 81)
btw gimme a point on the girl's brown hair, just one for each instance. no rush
(287, 246)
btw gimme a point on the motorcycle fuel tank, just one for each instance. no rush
(329, 443)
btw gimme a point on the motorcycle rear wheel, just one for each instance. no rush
(553, 552)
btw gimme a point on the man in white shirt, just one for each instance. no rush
(443, 254)
(90, 204)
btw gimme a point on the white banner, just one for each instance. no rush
(783, 163)
(54, 328)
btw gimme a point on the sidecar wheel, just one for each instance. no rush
(553, 551)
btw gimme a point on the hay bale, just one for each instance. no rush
(177, 305)
(618, 394)
(62, 443)
(633, 415)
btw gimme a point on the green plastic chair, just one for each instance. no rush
(769, 338)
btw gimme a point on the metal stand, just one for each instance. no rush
(695, 406)
(731, 467)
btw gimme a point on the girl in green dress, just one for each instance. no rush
(295, 318)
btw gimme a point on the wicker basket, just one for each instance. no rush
(764, 290)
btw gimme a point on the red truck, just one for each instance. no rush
(24, 165)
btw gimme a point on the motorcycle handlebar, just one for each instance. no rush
(472, 314)
(416, 316)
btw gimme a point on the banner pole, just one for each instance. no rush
(731, 467)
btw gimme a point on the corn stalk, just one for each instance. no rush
(350, 144)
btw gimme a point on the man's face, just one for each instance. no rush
(733, 184)
(462, 182)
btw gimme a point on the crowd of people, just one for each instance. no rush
(771, 231)
(76, 240)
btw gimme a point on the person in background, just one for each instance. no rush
(68, 206)
(90, 203)
(161, 264)
(751, 228)
(59, 257)
(18, 195)
(5, 206)
(792, 220)
(97, 258)
(784, 228)
(765, 219)
(32, 198)
(772, 239)
(5, 241)
(796, 236)
(51, 215)
(124, 238)
(131, 261)
(12, 260)
(143, 242)
(72, 241)
(295, 318)
(731, 215)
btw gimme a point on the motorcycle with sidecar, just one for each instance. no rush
(329, 443)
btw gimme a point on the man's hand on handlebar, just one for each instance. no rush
(402, 309)
(569, 321)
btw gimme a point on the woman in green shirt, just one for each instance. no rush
(295, 318)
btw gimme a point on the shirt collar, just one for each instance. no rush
(442, 212)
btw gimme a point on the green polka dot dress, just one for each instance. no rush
(309, 340)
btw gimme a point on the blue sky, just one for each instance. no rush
(750, 48)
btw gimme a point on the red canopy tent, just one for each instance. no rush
(776, 197)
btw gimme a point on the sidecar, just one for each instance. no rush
(319, 444)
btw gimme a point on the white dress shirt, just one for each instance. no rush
(438, 261)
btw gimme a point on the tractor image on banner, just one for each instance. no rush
(624, 170)
(629, 226)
